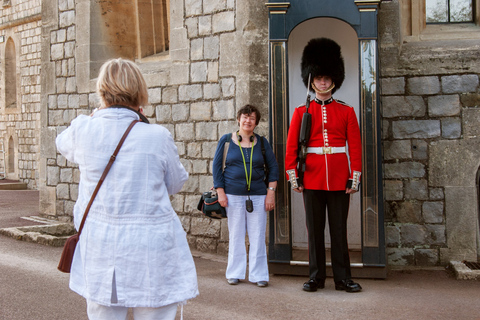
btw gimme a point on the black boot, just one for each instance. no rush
(348, 285)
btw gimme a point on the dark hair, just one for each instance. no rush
(249, 109)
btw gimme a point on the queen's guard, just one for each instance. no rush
(316, 162)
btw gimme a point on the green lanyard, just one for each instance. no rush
(249, 180)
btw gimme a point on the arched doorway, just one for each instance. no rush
(353, 24)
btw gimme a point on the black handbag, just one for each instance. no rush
(210, 206)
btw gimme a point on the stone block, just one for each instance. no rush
(179, 73)
(211, 6)
(432, 211)
(190, 92)
(435, 194)
(154, 95)
(408, 212)
(444, 106)
(204, 25)
(470, 100)
(205, 182)
(393, 190)
(163, 113)
(228, 87)
(385, 129)
(426, 257)
(206, 131)
(404, 170)
(222, 247)
(461, 219)
(416, 189)
(193, 7)
(192, 27)
(198, 71)
(223, 22)
(187, 164)
(471, 119)
(199, 166)
(196, 49)
(180, 148)
(63, 191)
(206, 227)
(223, 110)
(211, 47)
(66, 175)
(212, 72)
(191, 185)
(180, 112)
(201, 110)
(435, 235)
(423, 85)
(185, 221)
(451, 128)
(53, 175)
(412, 235)
(453, 163)
(423, 129)
(169, 95)
(460, 83)
(397, 149)
(194, 150)
(73, 194)
(401, 106)
(66, 19)
(191, 203)
(211, 91)
(391, 86)
(57, 51)
(400, 256)
(392, 236)
(178, 202)
(206, 245)
(419, 149)
(208, 149)
(184, 131)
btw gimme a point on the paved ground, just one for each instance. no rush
(32, 288)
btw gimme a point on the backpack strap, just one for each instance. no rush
(265, 165)
(225, 150)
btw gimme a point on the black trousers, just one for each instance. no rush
(316, 204)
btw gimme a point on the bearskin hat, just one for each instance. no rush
(323, 57)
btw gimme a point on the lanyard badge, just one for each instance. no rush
(248, 202)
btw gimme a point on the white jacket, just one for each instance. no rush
(133, 251)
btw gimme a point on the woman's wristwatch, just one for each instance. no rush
(272, 188)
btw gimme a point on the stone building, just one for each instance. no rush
(203, 59)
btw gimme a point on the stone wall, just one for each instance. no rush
(20, 24)
(430, 99)
(217, 63)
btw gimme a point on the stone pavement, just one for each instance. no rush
(32, 288)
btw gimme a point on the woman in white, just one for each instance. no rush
(133, 251)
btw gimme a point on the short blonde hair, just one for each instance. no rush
(120, 82)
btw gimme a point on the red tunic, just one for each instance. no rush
(333, 125)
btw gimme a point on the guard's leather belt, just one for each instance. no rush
(326, 150)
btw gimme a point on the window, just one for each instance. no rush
(153, 27)
(449, 11)
(10, 75)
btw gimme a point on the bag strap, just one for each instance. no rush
(102, 178)
(265, 164)
(225, 150)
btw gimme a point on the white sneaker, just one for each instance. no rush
(262, 284)
(233, 281)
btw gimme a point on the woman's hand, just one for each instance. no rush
(222, 197)
(270, 198)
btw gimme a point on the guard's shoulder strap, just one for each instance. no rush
(225, 150)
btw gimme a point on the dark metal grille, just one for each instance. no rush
(472, 265)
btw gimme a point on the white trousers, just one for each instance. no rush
(241, 221)
(97, 311)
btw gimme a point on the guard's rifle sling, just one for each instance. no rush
(303, 138)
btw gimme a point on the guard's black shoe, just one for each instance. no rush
(312, 285)
(348, 285)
